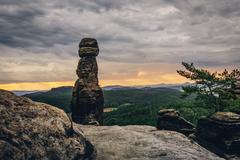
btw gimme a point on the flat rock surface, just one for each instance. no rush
(31, 130)
(143, 143)
(227, 117)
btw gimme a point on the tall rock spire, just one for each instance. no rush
(87, 97)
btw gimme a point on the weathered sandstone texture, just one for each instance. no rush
(220, 133)
(87, 97)
(170, 119)
(31, 130)
(143, 143)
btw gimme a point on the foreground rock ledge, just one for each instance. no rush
(144, 143)
(31, 130)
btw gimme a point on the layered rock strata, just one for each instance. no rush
(220, 133)
(87, 97)
(170, 119)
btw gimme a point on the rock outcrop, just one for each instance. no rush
(144, 143)
(220, 133)
(170, 119)
(236, 88)
(87, 98)
(31, 130)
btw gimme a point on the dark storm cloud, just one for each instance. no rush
(41, 33)
(19, 30)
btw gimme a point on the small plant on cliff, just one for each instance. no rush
(213, 89)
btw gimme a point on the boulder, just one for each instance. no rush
(170, 119)
(220, 133)
(144, 143)
(31, 130)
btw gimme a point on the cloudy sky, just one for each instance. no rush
(141, 41)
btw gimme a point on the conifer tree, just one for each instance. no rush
(213, 89)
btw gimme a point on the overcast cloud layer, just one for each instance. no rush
(39, 39)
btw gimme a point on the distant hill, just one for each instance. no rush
(141, 96)
(172, 86)
(22, 92)
(117, 87)
(61, 96)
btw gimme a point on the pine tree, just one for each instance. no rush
(214, 89)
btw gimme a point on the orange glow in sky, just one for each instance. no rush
(34, 85)
(171, 78)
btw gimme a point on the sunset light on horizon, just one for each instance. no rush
(29, 86)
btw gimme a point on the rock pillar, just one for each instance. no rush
(87, 97)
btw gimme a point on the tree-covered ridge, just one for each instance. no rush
(61, 97)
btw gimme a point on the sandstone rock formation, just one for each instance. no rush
(31, 130)
(143, 143)
(220, 133)
(170, 119)
(87, 98)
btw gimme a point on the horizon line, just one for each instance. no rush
(43, 86)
